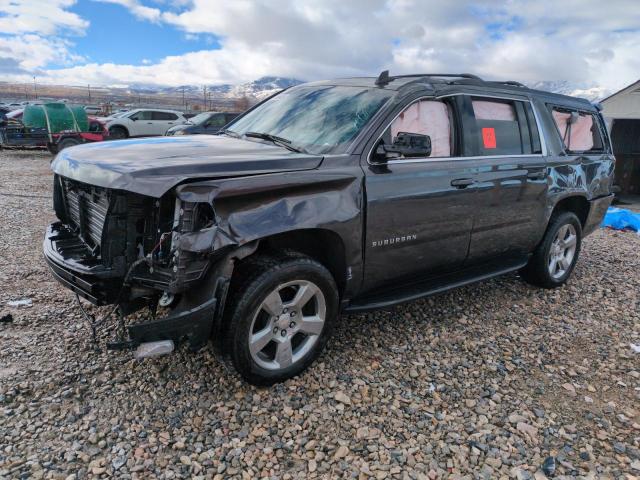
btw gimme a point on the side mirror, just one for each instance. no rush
(407, 145)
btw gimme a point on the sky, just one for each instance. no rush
(195, 42)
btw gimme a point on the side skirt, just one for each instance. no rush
(395, 295)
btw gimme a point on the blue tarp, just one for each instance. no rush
(621, 219)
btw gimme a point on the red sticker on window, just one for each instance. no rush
(489, 137)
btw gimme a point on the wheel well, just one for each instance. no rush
(121, 127)
(324, 246)
(576, 204)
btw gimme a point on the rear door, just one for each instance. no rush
(419, 210)
(511, 181)
(162, 121)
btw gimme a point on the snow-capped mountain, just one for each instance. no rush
(266, 86)
(589, 91)
(258, 89)
(263, 87)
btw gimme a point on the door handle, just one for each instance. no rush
(462, 182)
(149, 123)
(537, 175)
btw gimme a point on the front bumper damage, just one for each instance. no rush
(193, 318)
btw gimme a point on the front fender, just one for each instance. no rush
(251, 208)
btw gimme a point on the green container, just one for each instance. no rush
(56, 117)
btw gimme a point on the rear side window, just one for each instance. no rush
(579, 131)
(427, 117)
(164, 116)
(498, 127)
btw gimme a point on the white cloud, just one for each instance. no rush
(44, 17)
(140, 11)
(31, 35)
(592, 42)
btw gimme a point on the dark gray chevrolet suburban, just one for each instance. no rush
(330, 197)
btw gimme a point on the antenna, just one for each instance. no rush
(383, 79)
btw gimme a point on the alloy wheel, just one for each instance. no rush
(562, 251)
(287, 324)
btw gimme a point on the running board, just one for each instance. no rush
(432, 286)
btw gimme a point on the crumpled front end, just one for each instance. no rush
(127, 249)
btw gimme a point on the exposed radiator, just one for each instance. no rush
(87, 208)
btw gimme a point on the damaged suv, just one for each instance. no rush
(329, 197)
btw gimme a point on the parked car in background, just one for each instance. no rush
(144, 122)
(206, 122)
(92, 109)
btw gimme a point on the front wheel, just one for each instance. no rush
(280, 316)
(555, 258)
(117, 133)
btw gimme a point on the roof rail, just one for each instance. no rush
(508, 82)
(384, 78)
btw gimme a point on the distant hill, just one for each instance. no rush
(589, 91)
(258, 89)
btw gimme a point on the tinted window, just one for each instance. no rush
(579, 131)
(142, 115)
(498, 126)
(426, 117)
(217, 120)
(164, 116)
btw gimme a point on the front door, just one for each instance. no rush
(419, 210)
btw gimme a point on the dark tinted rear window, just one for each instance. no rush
(164, 116)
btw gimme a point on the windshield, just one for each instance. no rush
(200, 118)
(320, 119)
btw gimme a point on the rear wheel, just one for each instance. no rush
(118, 133)
(280, 317)
(555, 258)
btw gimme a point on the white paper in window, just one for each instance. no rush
(581, 131)
(427, 117)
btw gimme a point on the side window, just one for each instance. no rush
(426, 117)
(164, 116)
(498, 126)
(216, 120)
(142, 115)
(579, 131)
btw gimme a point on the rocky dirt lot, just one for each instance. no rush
(496, 380)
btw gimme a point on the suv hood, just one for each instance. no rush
(152, 166)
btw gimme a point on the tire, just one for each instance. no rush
(269, 335)
(53, 148)
(554, 259)
(118, 133)
(66, 143)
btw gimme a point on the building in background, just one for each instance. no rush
(622, 113)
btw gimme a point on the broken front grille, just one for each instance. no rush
(86, 208)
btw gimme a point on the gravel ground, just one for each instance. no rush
(495, 380)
